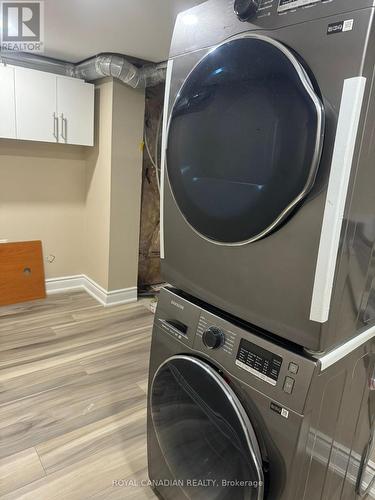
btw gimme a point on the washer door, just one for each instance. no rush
(204, 433)
(244, 141)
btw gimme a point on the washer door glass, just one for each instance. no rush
(244, 141)
(204, 434)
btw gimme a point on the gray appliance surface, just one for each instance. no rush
(311, 279)
(310, 423)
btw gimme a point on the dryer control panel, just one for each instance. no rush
(280, 372)
(214, 21)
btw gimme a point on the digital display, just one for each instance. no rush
(294, 4)
(260, 362)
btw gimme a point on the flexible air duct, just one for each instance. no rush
(112, 65)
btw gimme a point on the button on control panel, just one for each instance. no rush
(288, 385)
(293, 368)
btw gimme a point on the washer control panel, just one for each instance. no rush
(281, 373)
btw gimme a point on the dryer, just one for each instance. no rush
(268, 206)
(234, 414)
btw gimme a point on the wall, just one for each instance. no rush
(126, 185)
(83, 203)
(114, 178)
(98, 188)
(42, 197)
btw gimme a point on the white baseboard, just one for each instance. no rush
(112, 298)
(105, 297)
(57, 285)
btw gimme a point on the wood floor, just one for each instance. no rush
(73, 378)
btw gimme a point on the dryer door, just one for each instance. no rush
(244, 141)
(204, 434)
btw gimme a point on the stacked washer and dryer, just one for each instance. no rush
(262, 369)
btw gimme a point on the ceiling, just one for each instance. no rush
(78, 29)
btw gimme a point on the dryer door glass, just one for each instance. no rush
(204, 433)
(244, 141)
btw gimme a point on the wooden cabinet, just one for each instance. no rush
(7, 103)
(40, 106)
(75, 108)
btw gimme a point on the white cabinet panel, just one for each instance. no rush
(7, 103)
(36, 105)
(75, 106)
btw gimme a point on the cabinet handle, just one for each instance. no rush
(56, 127)
(64, 127)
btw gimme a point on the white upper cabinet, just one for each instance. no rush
(7, 103)
(40, 106)
(36, 105)
(75, 107)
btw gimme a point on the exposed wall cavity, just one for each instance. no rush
(149, 249)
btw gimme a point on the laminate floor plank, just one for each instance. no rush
(90, 476)
(30, 421)
(85, 442)
(105, 323)
(34, 324)
(19, 470)
(136, 347)
(16, 340)
(72, 398)
(73, 337)
(39, 381)
(53, 305)
(67, 355)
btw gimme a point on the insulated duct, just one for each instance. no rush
(112, 65)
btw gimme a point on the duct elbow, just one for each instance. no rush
(117, 66)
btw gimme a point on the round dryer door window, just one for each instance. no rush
(203, 432)
(245, 139)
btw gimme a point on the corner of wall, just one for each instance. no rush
(126, 185)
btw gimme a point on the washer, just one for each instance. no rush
(268, 207)
(234, 414)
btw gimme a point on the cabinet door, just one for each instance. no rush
(36, 105)
(7, 103)
(75, 105)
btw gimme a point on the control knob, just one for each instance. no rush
(245, 10)
(213, 338)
